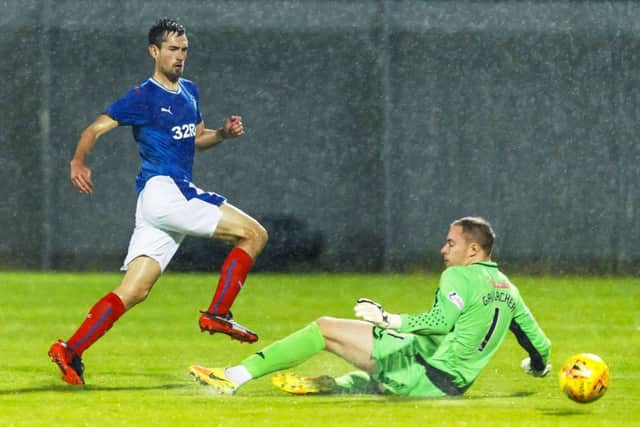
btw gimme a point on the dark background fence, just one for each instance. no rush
(371, 125)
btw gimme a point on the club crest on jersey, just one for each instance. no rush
(456, 299)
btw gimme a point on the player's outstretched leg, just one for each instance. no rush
(356, 382)
(68, 361)
(279, 355)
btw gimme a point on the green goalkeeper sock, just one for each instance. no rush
(287, 352)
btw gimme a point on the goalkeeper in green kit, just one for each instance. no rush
(432, 354)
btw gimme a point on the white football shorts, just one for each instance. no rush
(168, 210)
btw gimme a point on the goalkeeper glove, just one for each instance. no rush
(526, 366)
(373, 313)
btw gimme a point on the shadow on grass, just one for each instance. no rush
(502, 396)
(88, 388)
(561, 412)
(386, 398)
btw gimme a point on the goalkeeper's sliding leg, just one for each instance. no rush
(350, 339)
(356, 382)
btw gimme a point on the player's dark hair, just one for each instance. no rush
(158, 32)
(479, 230)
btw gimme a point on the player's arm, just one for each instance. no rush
(444, 312)
(80, 173)
(447, 306)
(437, 321)
(532, 339)
(207, 138)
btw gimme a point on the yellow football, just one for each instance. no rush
(584, 377)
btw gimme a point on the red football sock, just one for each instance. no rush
(100, 319)
(232, 276)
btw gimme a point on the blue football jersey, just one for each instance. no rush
(164, 126)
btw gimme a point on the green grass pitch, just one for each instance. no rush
(137, 374)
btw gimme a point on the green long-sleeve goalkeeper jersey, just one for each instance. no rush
(474, 307)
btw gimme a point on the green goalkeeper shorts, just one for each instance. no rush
(397, 369)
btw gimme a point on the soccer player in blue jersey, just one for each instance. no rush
(164, 113)
(436, 353)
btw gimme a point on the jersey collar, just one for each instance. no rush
(487, 264)
(175, 92)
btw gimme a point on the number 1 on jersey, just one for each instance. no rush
(492, 327)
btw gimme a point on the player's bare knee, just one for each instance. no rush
(256, 237)
(326, 325)
(330, 334)
(261, 235)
